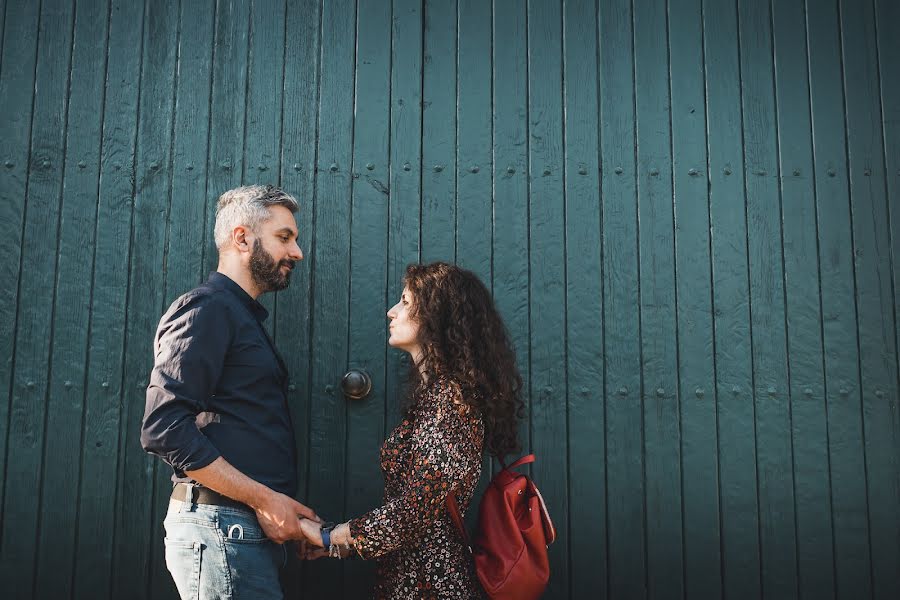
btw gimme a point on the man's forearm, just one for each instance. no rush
(220, 476)
(279, 515)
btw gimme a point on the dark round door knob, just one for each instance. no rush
(356, 384)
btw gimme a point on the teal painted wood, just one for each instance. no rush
(845, 429)
(17, 74)
(547, 273)
(474, 159)
(626, 524)
(888, 35)
(731, 302)
(658, 299)
(696, 368)
(368, 271)
(584, 305)
(510, 126)
(405, 210)
(473, 149)
(98, 499)
(262, 129)
(16, 89)
(331, 283)
(874, 294)
(229, 105)
(133, 564)
(812, 491)
(36, 296)
(298, 159)
(80, 169)
(777, 523)
(439, 132)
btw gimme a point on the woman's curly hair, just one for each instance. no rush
(463, 338)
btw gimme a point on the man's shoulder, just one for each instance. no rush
(202, 299)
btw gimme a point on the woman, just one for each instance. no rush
(463, 399)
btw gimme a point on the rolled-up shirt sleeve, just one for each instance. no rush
(189, 348)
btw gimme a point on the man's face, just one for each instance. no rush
(275, 251)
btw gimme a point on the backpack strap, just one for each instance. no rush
(456, 517)
(528, 458)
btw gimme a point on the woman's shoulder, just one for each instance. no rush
(445, 394)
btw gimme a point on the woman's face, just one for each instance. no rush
(404, 331)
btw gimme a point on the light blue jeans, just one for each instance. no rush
(221, 553)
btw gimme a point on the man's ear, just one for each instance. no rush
(242, 238)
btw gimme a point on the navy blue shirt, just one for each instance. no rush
(219, 388)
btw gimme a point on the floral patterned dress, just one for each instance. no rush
(437, 447)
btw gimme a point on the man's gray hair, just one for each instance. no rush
(248, 206)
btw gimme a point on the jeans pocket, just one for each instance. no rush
(183, 561)
(239, 528)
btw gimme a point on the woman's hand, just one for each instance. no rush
(312, 531)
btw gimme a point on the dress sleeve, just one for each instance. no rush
(441, 448)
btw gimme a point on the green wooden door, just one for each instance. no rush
(687, 211)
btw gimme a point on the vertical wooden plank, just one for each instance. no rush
(368, 270)
(404, 230)
(132, 567)
(584, 304)
(547, 268)
(2, 31)
(188, 234)
(699, 439)
(103, 385)
(186, 237)
(474, 159)
(328, 412)
(812, 491)
(298, 160)
(887, 15)
(874, 293)
(229, 104)
(263, 117)
(845, 429)
(439, 132)
(474, 155)
(731, 305)
(658, 301)
(17, 73)
(81, 169)
(510, 149)
(777, 524)
(33, 331)
(627, 563)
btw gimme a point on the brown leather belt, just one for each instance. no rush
(204, 495)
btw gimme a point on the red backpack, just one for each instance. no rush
(514, 532)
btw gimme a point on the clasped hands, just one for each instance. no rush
(284, 519)
(312, 546)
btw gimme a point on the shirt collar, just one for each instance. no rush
(224, 282)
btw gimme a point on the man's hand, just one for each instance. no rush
(306, 551)
(279, 516)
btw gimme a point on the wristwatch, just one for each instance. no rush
(326, 534)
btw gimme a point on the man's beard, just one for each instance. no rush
(266, 272)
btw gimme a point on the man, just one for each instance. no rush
(217, 410)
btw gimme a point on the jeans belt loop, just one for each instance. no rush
(189, 497)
